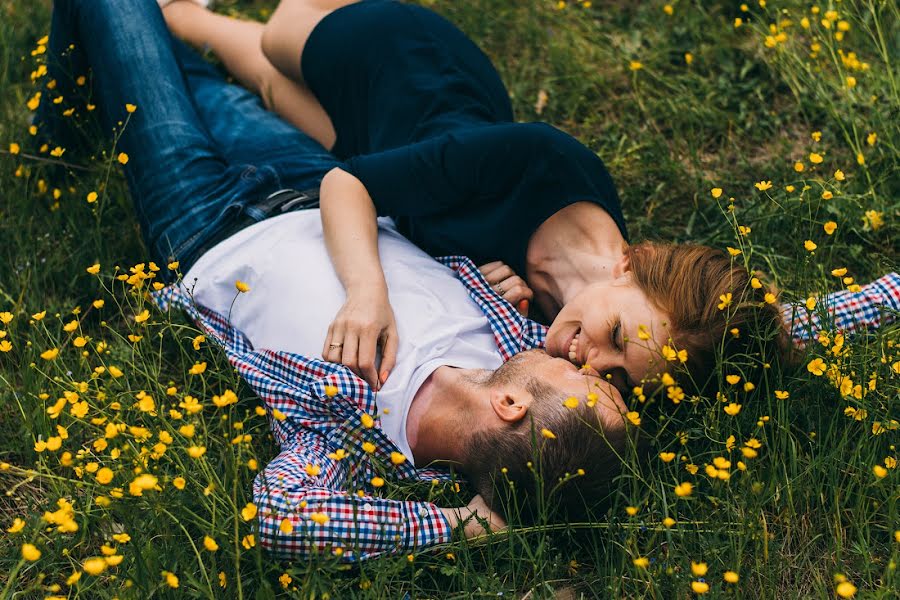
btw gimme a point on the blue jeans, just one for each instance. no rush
(201, 151)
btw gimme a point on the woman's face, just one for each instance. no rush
(613, 328)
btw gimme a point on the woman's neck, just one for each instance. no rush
(577, 246)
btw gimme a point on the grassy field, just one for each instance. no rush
(792, 497)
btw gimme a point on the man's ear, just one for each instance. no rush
(510, 403)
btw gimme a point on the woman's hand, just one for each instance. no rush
(364, 323)
(510, 286)
(473, 514)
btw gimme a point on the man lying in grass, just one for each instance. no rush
(199, 153)
(204, 162)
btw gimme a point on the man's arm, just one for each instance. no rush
(301, 513)
(874, 305)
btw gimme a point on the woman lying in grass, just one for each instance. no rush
(425, 128)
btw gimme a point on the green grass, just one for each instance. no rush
(806, 509)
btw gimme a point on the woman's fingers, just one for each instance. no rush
(333, 343)
(368, 347)
(390, 342)
(350, 352)
(499, 274)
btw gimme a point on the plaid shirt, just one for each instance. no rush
(316, 409)
(874, 305)
(310, 498)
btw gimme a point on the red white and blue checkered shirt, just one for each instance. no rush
(317, 409)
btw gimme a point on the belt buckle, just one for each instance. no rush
(301, 197)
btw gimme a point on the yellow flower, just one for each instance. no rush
(319, 518)
(684, 489)
(241, 286)
(104, 475)
(730, 577)
(635, 65)
(248, 513)
(377, 482)
(94, 565)
(873, 219)
(799, 166)
(142, 316)
(198, 368)
(827, 195)
(50, 354)
(368, 447)
(880, 472)
(851, 81)
(171, 579)
(196, 451)
(667, 456)
(668, 9)
(732, 409)
(725, 301)
(98, 304)
(872, 138)
(839, 272)
(816, 366)
(734, 251)
(179, 483)
(716, 192)
(763, 185)
(17, 526)
(845, 589)
(548, 434)
(815, 158)
(397, 458)
(286, 527)
(632, 416)
(733, 379)
(839, 175)
(830, 227)
(860, 159)
(631, 510)
(699, 587)
(698, 569)
(130, 108)
(367, 421)
(5, 346)
(669, 353)
(810, 245)
(770, 298)
(570, 402)
(781, 394)
(122, 158)
(338, 454)
(641, 563)
(331, 391)
(30, 552)
(668, 522)
(312, 470)
(210, 544)
(14, 148)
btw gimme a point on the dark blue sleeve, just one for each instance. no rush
(452, 170)
(449, 191)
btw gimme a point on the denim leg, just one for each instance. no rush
(182, 186)
(246, 132)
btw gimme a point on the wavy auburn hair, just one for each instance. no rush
(687, 282)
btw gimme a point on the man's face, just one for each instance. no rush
(568, 380)
(613, 328)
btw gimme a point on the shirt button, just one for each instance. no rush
(367, 506)
(423, 512)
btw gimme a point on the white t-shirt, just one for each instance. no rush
(295, 294)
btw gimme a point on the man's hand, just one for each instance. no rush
(472, 515)
(510, 286)
(364, 323)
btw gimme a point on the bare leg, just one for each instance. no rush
(237, 43)
(288, 29)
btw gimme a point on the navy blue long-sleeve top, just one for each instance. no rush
(424, 121)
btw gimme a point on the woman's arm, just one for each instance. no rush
(366, 320)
